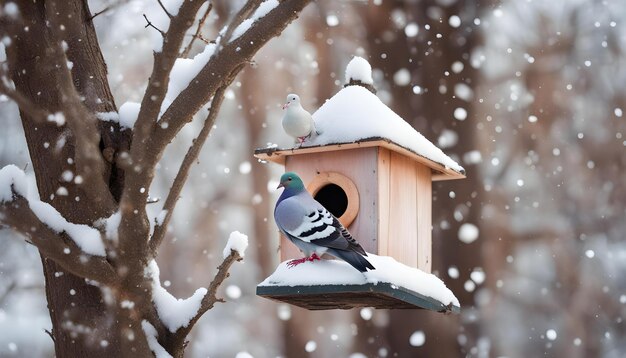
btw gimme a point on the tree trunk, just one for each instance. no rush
(82, 324)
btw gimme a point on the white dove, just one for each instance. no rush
(297, 122)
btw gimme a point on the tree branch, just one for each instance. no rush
(211, 298)
(183, 171)
(159, 78)
(197, 34)
(134, 228)
(149, 24)
(222, 68)
(18, 215)
(164, 9)
(245, 12)
(23, 103)
(106, 8)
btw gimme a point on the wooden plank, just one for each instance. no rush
(424, 218)
(359, 165)
(402, 244)
(277, 155)
(382, 296)
(383, 173)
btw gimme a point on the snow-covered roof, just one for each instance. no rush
(355, 114)
(356, 117)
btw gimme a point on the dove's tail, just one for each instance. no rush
(355, 259)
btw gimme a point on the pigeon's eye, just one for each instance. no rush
(293, 99)
(289, 178)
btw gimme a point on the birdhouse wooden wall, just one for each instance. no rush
(388, 195)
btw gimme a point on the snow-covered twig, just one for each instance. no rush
(210, 299)
(179, 316)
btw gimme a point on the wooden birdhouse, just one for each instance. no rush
(374, 172)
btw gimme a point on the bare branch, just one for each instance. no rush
(18, 215)
(50, 334)
(197, 34)
(183, 171)
(164, 9)
(149, 24)
(109, 7)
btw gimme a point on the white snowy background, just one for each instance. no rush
(546, 248)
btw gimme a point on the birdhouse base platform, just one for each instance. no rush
(326, 297)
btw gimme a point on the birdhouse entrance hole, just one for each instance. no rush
(338, 194)
(333, 198)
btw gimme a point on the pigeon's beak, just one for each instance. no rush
(285, 105)
(280, 185)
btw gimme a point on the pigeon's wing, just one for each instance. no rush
(322, 228)
(353, 244)
(308, 224)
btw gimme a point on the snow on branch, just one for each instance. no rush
(262, 10)
(78, 248)
(173, 312)
(236, 242)
(183, 15)
(126, 117)
(243, 13)
(180, 315)
(12, 183)
(151, 335)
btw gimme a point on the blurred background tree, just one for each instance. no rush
(528, 96)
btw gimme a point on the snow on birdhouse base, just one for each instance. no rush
(333, 284)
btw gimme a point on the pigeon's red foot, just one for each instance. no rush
(313, 257)
(296, 262)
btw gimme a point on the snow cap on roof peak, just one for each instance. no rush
(359, 72)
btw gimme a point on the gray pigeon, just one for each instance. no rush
(297, 122)
(312, 228)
